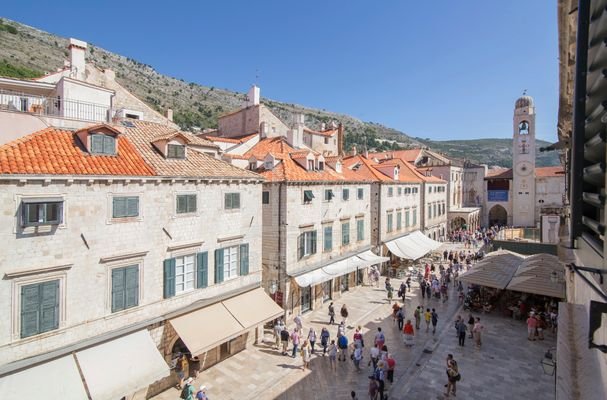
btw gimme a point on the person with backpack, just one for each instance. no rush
(452, 375)
(324, 340)
(379, 375)
(187, 393)
(434, 317)
(342, 344)
(284, 339)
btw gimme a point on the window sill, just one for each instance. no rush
(124, 220)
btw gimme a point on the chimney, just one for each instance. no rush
(77, 58)
(295, 134)
(169, 114)
(353, 149)
(340, 139)
(253, 96)
(323, 127)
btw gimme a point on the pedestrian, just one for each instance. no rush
(380, 377)
(357, 338)
(357, 356)
(428, 291)
(374, 357)
(395, 308)
(401, 290)
(434, 317)
(390, 292)
(331, 314)
(408, 285)
(417, 314)
(298, 323)
(284, 339)
(182, 369)
(373, 388)
(333, 355)
(531, 326)
(295, 340)
(344, 314)
(342, 344)
(277, 330)
(202, 393)
(312, 338)
(341, 329)
(324, 340)
(305, 355)
(477, 331)
(422, 288)
(461, 332)
(452, 375)
(390, 364)
(541, 325)
(400, 318)
(471, 324)
(427, 318)
(187, 393)
(380, 339)
(408, 334)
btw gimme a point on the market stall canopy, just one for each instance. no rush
(253, 308)
(57, 379)
(119, 367)
(533, 275)
(495, 270)
(412, 246)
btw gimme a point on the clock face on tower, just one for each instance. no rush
(524, 168)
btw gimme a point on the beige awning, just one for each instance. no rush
(495, 270)
(412, 246)
(121, 366)
(206, 328)
(57, 379)
(533, 275)
(253, 308)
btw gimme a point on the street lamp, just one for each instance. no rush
(549, 366)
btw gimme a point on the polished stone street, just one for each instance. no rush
(507, 366)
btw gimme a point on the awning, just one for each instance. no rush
(369, 258)
(343, 267)
(119, 367)
(253, 308)
(412, 246)
(533, 276)
(495, 270)
(206, 328)
(312, 278)
(57, 379)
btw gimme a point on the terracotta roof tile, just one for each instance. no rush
(499, 173)
(542, 172)
(235, 140)
(410, 155)
(53, 151)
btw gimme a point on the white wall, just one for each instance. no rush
(403, 202)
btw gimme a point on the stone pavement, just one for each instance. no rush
(508, 366)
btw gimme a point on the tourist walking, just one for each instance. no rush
(374, 357)
(357, 338)
(187, 393)
(408, 334)
(277, 330)
(333, 355)
(341, 329)
(400, 318)
(434, 317)
(312, 338)
(342, 344)
(298, 323)
(422, 288)
(427, 318)
(284, 339)
(305, 355)
(391, 365)
(295, 340)
(331, 314)
(461, 332)
(395, 308)
(357, 356)
(531, 327)
(452, 375)
(471, 324)
(380, 338)
(373, 388)
(324, 340)
(380, 377)
(417, 314)
(344, 314)
(477, 331)
(202, 393)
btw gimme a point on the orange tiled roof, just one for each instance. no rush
(235, 140)
(274, 145)
(543, 172)
(368, 169)
(410, 155)
(196, 164)
(53, 151)
(499, 173)
(328, 132)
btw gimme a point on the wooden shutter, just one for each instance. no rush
(49, 306)
(119, 207)
(109, 145)
(227, 201)
(202, 270)
(236, 200)
(313, 242)
(132, 206)
(218, 265)
(118, 289)
(30, 310)
(191, 203)
(300, 246)
(169, 278)
(244, 259)
(131, 280)
(181, 204)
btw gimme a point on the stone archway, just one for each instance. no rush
(457, 223)
(498, 216)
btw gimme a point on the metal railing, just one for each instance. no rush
(54, 106)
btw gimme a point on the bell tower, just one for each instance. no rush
(523, 163)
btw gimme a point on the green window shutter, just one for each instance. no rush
(132, 206)
(49, 306)
(118, 289)
(202, 270)
(169, 278)
(328, 238)
(313, 242)
(119, 207)
(236, 202)
(300, 246)
(191, 207)
(96, 143)
(218, 265)
(244, 259)
(131, 286)
(109, 145)
(227, 201)
(30, 310)
(181, 204)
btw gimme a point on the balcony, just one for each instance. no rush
(54, 107)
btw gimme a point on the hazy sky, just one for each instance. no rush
(437, 69)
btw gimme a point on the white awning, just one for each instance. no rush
(119, 367)
(253, 308)
(369, 258)
(57, 379)
(343, 267)
(412, 246)
(312, 278)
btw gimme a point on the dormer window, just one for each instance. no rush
(321, 166)
(396, 171)
(175, 151)
(103, 144)
(310, 165)
(252, 166)
(269, 164)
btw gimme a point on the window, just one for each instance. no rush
(326, 140)
(185, 273)
(399, 191)
(103, 144)
(345, 233)
(328, 238)
(390, 192)
(268, 165)
(306, 244)
(310, 165)
(175, 151)
(360, 229)
(35, 212)
(389, 223)
(399, 220)
(443, 208)
(321, 166)
(429, 189)
(232, 201)
(415, 190)
(345, 194)
(360, 193)
(429, 211)
(125, 288)
(328, 195)
(434, 210)
(307, 196)
(252, 166)
(39, 308)
(265, 197)
(230, 262)
(186, 203)
(414, 216)
(125, 207)
(407, 212)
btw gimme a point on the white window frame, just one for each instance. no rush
(307, 248)
(229, 258)
(184, 274)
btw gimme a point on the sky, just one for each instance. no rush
(439, 69)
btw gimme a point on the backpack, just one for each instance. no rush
(185, 392)
(342, 342)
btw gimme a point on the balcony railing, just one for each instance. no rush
(54, 107)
